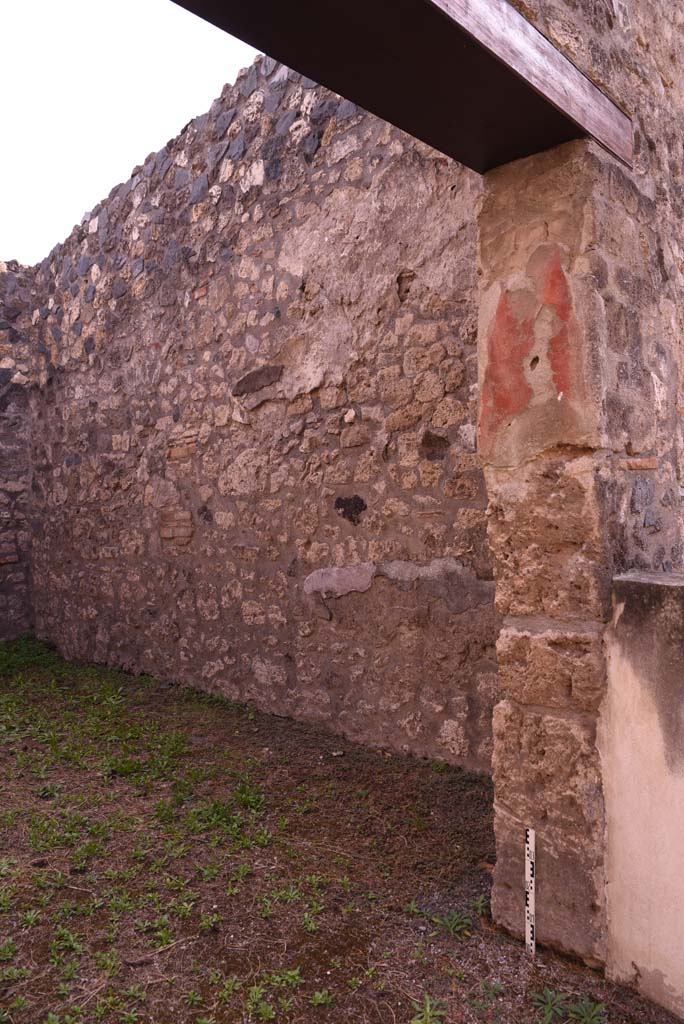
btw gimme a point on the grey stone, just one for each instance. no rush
(199, 189)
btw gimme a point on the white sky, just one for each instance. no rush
(89, 88)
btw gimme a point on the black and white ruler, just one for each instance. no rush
(530, 879)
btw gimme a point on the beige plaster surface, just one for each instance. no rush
(645, 838)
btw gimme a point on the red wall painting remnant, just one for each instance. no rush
(510, 384)
(555, 293)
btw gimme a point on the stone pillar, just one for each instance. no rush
(542, 345)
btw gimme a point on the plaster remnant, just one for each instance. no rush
(337, 582)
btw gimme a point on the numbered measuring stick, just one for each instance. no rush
(530, 879)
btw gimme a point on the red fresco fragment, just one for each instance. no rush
(556, 294)
(505, 391)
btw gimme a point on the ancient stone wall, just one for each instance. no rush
(254, 460)
(632, 50)
(581, 322)
(15, 302)
(254, 464)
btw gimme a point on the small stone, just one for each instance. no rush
(258, 379)
(224, 121)
(354, 436)
(84, 265)
(643, 494)
(181, 178)
(311, 145)
(286, 121)
(199, 189)
(237, 147)
(346, 110)
(351, 508)
(249, 83)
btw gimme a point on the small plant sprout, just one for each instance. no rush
(480, 906)
(586, 1011)
(455, 923)
(322, 998)
(430, 1011)
(552, 1006)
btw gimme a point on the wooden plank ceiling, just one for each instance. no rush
(472, 78)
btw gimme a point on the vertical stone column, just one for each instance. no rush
(542, 343)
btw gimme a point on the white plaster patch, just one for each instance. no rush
(336, 582)
(407, 572)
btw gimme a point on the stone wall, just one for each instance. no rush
(633, 50)
(15, 301)
(581, 321)
(254, 461)
(254, 465)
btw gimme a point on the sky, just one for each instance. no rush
(90, 88)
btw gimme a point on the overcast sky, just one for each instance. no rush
(89, 89)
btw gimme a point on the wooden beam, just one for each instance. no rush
(472, 78)
(503, 32)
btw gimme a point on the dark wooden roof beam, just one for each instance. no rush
(473, 78)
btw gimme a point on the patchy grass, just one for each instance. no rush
(170, 858)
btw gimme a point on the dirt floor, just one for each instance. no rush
(167, 857)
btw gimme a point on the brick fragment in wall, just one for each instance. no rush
(176, 525)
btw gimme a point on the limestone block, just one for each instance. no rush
(546, 532)
(547, 775)
(546, 768)
(569, 899)
(553, 664)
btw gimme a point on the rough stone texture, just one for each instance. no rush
(548, 773)
(580, 352)
(551, 663)
(544, 441)
(15, 428)
(254, 463)
(547, 533)
(257, 378)
(632, 50)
